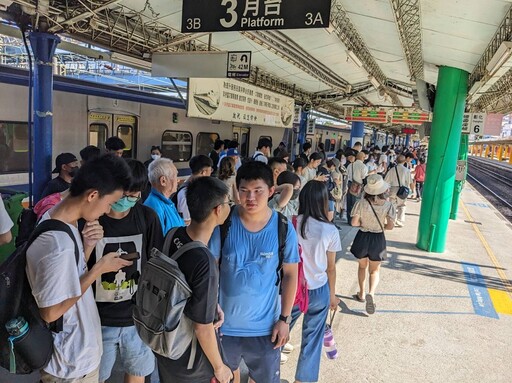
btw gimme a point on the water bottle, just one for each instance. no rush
(30, 344)
(329, 343)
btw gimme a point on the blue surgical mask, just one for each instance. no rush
(123, 205)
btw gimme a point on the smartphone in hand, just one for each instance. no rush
(130, 256)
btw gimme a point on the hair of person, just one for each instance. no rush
(306, 146)
(385, 148)
(114, 143)
(233, 144)
(376, 148)
(321, 146)
(106, 174)
(274, 161)
(218, 144)
(360, 156)
(226, 168)
(329, 163)
(373, 198)
(161, 167)
(400, 159)
(226, 143)
(253, 171)
(264, 142)
(287, 177)
(358, 143)
(315, 157)
(299, 162)
(139, 176)
(156, 147)
(409, 155)
(90, 152)
(282, 144)
(422, 160)
(283, 153)
(313, 203)
(339, 154)
(201, 204)
(199, 162)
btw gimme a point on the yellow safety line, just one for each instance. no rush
(494, 260)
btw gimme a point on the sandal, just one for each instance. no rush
(357, 298)
(370, 304)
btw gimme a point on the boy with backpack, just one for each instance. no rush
(207, 211)
(60, 280)
(254, 266)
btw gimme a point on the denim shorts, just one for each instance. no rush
(263, 362)
(135, 357)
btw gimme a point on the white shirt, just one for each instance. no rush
(320, 238)
(393, 181)
(260, 157)
(309, 174)
(182, 204)
(358, 171)
(55, 277)
(5, 221)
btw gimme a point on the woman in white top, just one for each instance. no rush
(285, 199)
(227, 174)
(320, 240)
(372, 214)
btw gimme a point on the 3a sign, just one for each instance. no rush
(239, 64)
(245, 15)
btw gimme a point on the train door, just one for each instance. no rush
(242, 135)
(105, 125)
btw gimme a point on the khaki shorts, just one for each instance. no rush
(92, 377)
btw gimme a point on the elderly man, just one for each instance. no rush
(163, 177)
(396, 177)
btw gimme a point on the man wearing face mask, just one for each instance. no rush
(132, 230)
(66, 165)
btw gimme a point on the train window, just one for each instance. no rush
(98, 135)
(13, 147)
(205, 142)
(177, 145)
(125, 133)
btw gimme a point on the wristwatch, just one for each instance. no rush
(287, 319)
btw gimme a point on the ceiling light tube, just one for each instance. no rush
(500, 57)
(354, 58)
(374, 82)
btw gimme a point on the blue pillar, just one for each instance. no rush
(43, 47)
(374, 136)
(407, 140)
(356, 132)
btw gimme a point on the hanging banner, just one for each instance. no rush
(247, 15)
(235, 101)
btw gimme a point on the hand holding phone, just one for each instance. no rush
(130, 256)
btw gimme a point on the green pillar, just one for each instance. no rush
(459, 185)
(443, 149)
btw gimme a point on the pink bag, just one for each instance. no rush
(302, 295)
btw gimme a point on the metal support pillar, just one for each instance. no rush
(459, 185)
(356, 133)
(407, 140)
(43, 47)
(444, 144)
(374, 138)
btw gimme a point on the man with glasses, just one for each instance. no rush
(207, 211)
(131, 230)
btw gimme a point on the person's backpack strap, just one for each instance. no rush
(398, 177)
(54, 225)
(186, 247)
(224, 229)
(256, 156)
(282, 232)
(168, 240)
(376, 216)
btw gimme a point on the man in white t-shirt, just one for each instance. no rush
(398, 176)
(263, 150)
(61, 287)
(5, 224)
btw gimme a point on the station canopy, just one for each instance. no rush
(372, 53)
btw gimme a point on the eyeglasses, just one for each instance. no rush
(230, 203)
(130, 198)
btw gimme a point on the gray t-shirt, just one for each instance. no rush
(369, 222)
(55, 277)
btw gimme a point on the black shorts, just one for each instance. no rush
(369, 245)
(263, 362)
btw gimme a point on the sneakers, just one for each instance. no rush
(399, 224)
(287, 348)
(370, 304)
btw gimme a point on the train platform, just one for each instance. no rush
(440, 317)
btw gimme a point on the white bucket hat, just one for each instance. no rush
(375, 185)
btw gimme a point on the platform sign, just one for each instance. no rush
(466, 123)
(379, 116)
(247, 15)
(460, 172)
(477, 124)
(239, 64)
(410, 117)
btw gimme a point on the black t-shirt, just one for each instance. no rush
(215, 159)
(305, 157)
(202, 275)
(57, 185)
(139, 231)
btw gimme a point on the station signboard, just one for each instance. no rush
(235, 101)
(246, 15)
(410, 117)
(239, 65)
(473, 123)
(466, 123)
(378, 116)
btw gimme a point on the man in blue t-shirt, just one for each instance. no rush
(257, 318)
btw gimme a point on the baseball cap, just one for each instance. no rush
(63, 159)
(232, 152)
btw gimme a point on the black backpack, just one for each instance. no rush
(282, 231)
(16, 300)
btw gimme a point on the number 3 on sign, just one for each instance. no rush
(231, 12)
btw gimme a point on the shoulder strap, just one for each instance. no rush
(282, 231)
(256, 155)
(168, 239)
(398, 176)
(54, 225)
(224, 228)
(376, 216)
(186, 247)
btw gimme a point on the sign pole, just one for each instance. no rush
(460, 176)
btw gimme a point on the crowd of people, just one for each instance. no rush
(243, 280)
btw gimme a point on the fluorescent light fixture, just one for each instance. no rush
(354, 58)
(131, 62)
(374, 82)
(322, 110)
(475, 88)
(501, 56)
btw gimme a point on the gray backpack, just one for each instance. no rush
(161, 297)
